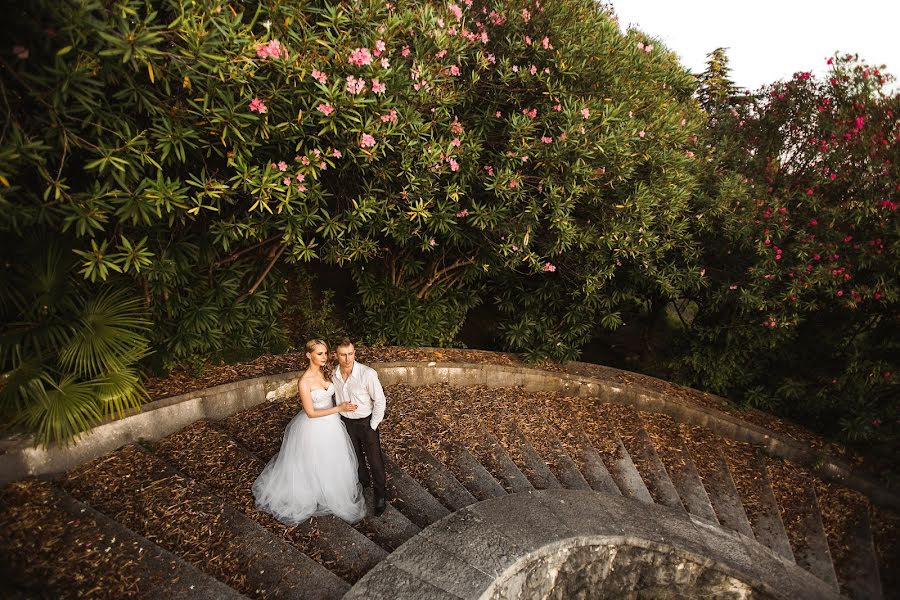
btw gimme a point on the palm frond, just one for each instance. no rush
(119, 391)
(108, 335)
(57, 411)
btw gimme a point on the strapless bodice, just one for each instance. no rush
(323, 398)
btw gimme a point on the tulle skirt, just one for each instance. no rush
(314, 474)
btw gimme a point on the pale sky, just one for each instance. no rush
(770, 40)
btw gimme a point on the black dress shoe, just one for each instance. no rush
(380, 506)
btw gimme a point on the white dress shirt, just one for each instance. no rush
(363, 389)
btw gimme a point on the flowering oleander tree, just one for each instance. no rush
(448, 155)
(801, 314)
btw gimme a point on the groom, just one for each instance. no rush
(355, 382)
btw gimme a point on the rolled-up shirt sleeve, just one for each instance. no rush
(379, 403)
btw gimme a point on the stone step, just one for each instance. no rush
(472, 473)
(90, 552)
(501, 466)
(410, 498)
(767, 524)
(184, 517)
(592, 465)
(567, 472)
(643, 452)
(534, 466)
(811, 545)
(865, 580)
(713, 469)
(439, 481)
(213, 457)
(390, 529)
(671, 449)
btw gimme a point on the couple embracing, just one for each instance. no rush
(321, 468)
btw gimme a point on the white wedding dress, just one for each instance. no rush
(315, 473)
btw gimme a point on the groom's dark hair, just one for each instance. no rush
(345, 341)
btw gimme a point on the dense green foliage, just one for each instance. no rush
(528, 160)
(801, 314)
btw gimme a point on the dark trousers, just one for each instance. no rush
(367, 444)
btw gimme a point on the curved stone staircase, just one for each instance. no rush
(177, 515)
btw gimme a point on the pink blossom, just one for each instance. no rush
(530, 113)
(304, 161)
(454, 166)
(515, 248)
(491, 59)
(557, 107)
(367, 141)
(549, 268)
(391, 117)
(585, 113)
(271, 50)
(404, 52)
(689, 154)
(515, 68)
(562, 136)
(455, 142)
(546, 139)
(499, 114)
(456, 127)
(489, 169)
(354, 85)
(533, 70)
(325, 109)
(545, 42)
(301, 177)
(463, 213)
(526, 16)
(360, 57)
(257, 105)
(528, 40)
(385, 63)
(456, 11)
(440, 54)
(640, 45)
(513, 184)
(301, 187)
(641, 133)
(840, 293)
(648, 48)
(454, 70)
(286, 181)
(379, 47)
(432, 243)
(282, 166)
(21, 52)
(319, 76)
(378, 87)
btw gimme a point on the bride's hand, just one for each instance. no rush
(347, 407)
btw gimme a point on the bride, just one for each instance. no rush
(315, 473)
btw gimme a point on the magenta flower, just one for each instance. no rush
(286, 181)
(455, 142)
(367, 141)
(301, 177)
(456, 11)
(463, 213)
(282, 166)
(256, 105)
(391, 117)
(319, 76)
(454, 166)
(547, 139)
(557, 107)
(530, 113)
(301, 187)
(360, 57)
(404, 52)
(549, 268)
(325, 109)
(378, 87)
(379, 47)
(454, 70)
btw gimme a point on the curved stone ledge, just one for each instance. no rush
(522, 545)
(160, 418)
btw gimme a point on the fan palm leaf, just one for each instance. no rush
(107, 337)
(58, 410)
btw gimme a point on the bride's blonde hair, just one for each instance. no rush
(310, 346)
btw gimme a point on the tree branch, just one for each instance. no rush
(436, 276)
(262, 277)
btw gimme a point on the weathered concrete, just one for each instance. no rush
(555, 543)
